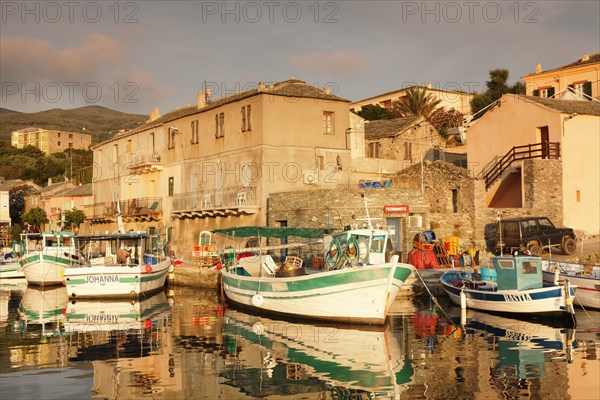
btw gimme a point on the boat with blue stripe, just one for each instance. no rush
(514, 285)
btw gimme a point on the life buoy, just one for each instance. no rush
(333, 255)
(351, 251)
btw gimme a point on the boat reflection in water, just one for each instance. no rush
(126, 341)
(42, 311)
(521, 345)
(273, 357)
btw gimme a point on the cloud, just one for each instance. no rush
(29, 59)
(338, 63)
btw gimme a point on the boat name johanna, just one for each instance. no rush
(102, 279)
(102, 318)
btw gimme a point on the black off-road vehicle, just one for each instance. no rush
(532, 233)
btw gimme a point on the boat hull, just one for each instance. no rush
(115, 281)
(550, 300)
(11, 270)
(42, 269)
(588, 287)
(352, 295)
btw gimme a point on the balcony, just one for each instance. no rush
(144, 209)
(144, 164)
(215, 203)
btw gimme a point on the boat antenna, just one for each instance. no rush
(369, 225)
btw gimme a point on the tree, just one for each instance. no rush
(416, 102)
(73, 218)
(444, 119)
(497, 87)
(36, 217)
(372, 112)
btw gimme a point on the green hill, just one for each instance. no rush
(98, 121)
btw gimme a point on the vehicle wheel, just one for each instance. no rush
(569, 246)
(536, 250)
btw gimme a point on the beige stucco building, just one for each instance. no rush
(215, 163)
(460, 101)
(50, 141)
(522, 128)
(581, 76)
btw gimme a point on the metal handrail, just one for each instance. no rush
(550, 150)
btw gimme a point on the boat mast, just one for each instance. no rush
(369, 225)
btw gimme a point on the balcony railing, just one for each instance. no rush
(143, 164)
(212, 203)
(536, 150)
(138, 209)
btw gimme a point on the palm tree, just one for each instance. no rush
(416, 102)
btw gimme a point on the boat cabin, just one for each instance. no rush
(518, 273)
(121, 248)
(54, 242)
(374, 245)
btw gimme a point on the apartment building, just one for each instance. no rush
(580, 78)
(50, 141)
(215, 163)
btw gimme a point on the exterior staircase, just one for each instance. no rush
(548, 150)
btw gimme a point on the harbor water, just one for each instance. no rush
(186, 344)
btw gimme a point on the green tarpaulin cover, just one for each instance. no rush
(271, 232)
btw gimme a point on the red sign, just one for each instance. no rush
(395, 209)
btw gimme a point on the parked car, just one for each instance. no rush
(535, 234)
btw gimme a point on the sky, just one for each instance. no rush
(132, 56)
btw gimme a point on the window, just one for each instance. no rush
(454, 201)
(547, 92)
(321, 162)
(70, 136)
(578, 196)
(374, 150)
(195, 137)
(171, 185)
(528, 226)
(59, 142)
(129, 146)
(545, 224)
(171, 137)
(584, 87)
(407, 151)
(116, 153)
(219, 125)
(246, 124)
(529, 268)
(70, 145)
(328, 123)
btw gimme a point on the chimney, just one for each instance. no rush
(538, 68)
(154, 114)
(585, 57)
(327, 90)
(428, 85)
(261, 86)
(200, 100)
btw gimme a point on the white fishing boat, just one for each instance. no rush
(10, 268)
(585, 277)
(44, 256)
(117, 265)
(357, 284)
(517, 289)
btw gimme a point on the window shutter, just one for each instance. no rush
(536, 93)
(248, 120)
(550, 92)
(587, 88)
